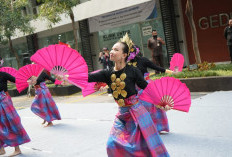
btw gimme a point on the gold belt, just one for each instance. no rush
(127, 105)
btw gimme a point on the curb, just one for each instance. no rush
(197, 84)
(55, 91)
(208, 84)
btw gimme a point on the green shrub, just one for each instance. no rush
(218, 70)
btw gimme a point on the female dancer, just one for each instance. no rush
(43, 104)
(133, 132)
(142, 63)
(12, 132)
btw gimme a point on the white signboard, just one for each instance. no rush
(147, 30)
(122, 17)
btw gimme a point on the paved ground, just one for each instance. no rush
(205, 131)
(22, 102)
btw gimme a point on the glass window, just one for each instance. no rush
(138, 32)
(10, 59)
(107, 38)
(66, 37)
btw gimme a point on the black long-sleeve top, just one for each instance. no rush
(143, 63)
(43, 77)
(4, 77)
(133, 76)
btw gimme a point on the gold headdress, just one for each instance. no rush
(133, 49)
(126, 39)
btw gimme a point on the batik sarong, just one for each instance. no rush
(12, 132)
(134, 134)
(43, 104)
(158, 116)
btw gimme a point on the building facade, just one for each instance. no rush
(211, 18)
(101, 23)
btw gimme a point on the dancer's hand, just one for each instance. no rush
(59, 77)
(64, 83)
(32, 81)
(101, 88)
(175, 72)
(167, 71)
(167, 108)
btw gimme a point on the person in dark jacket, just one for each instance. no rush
(228, 36)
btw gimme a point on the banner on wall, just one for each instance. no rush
(122, 17)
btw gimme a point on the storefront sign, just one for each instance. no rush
(113, 36)
(122, 17)
(214, 21)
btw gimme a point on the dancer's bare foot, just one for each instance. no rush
(16, 152)
(163, 132)
(49, 124)
(2, 151)
(44, 122)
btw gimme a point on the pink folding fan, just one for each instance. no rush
(89, 89)
(27, 74)
(168, 91)
(92, 86)
(177, 62)
(9, 70)
(65, 62)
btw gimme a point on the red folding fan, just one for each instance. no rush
(168, 91)
(177, 62)
(9, 70)
(65, 62)
(27, 74)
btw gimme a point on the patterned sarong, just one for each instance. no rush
(12, 132)
(135, 134)
(158, 116)
(43, 104)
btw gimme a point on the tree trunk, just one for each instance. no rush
(14, 53)
(74, 28)
(189, 14)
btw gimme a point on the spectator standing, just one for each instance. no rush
(228, 36)
(104, 58)
(1, 62)
(155, 44)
